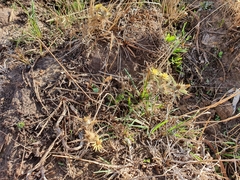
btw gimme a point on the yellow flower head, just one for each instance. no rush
(165, 76)
(94, 139)
(155, 71)
(97, 145)
(101, 10)
(98, 6)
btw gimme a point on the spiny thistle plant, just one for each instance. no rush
(94, 140)
(162, 83)
(102, 11)
(91, 136)
(98, 19)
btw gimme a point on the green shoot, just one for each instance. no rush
(183, 29)
(220, 54)
(95, 89)
(32, 18)
(130, 77)
(196, 156)
(170, 38)
(61, 163)
(176, 57)
(217, 118)
(232, 156)
(159, 125)
(20, 125)
(146, 161)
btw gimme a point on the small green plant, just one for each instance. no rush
(176, 57)
(135, 123)
(20, 125)
(169, 38)
(107, 171)
(127, 98)
(217, 118)
(68, 13)
(147, 161)
(33, 33)
(177, 46)
(206, 5)
(95, 88)
(32, 20)
(61, 163)
(220, 54)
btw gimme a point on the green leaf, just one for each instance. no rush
(158, 126)
(220, 54)
(196, 156)
(61, 164)
(170, 38)
(179, 50)
(20, 124)
(230, 143)
(232, 155)
(95, 89)
(146, 161)
(183, 29)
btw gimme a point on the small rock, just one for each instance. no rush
(6, 15)
(225, 110)
(221, 79)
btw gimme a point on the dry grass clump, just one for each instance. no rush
(173, 10)
(235, 11)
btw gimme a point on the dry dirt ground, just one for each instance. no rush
(47, 106)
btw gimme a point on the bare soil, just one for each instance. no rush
(37, 94)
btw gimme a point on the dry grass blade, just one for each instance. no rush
(49, 118)
(223, 170)
(94, 162)
(203, 110)
(221, 121)
(43, 159)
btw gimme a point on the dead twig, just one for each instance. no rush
(36, 90)
(94, 162)
(64, 142)
(223, 170)
(44, 157)
(221, 121)
(230, 66)
(204, 109)
(48, 118)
